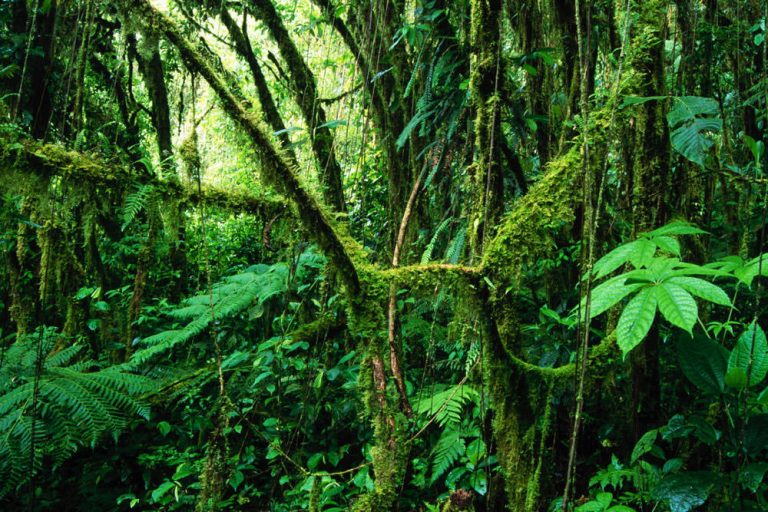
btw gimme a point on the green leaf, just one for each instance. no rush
(756, 434)
(703, 362)
(736, 378)
(644, 445)
(614, 259)
(643, 253)
(684, 491)
(751, 355)
(676, 228)
(691, 120)
(636, 320)
(751, 475)
(677, 305)
(667, 244)
(702, 289)
(164, 427)
(608, 294)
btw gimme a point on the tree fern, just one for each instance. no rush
(230, 296)
(75, 406)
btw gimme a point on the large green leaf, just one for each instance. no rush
(691, 120)
(677, 305)
(702, 289)
(636, 320)
(676, 228)
(667, 244)
(643, 253)
(609, 294)
(703, 362)
(750, 355)
(756, 434)
(644, 445)
(684, 491)
(614, 259)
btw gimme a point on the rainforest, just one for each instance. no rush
(383, 255)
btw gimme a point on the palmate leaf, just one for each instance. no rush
(677, 305)
(750, 356)
(691, 120)
(636, 320)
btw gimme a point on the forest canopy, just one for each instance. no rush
(379, 255)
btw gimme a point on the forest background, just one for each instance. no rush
(383, 255)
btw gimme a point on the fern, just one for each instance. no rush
(231, 296)
(75, 406)
(427, 255)
(448, 449)
(446, 405)
(135, 203)
(456, 247)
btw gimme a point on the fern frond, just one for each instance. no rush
(74, 407)
(448, 449)
(446, 405)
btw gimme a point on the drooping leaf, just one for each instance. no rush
(751, 355)
(703, 362)
(677, 305)
(644, 445)
(691, 120)
(636, 320)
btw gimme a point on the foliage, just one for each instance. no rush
(48, 414)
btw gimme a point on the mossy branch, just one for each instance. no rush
(31, 159)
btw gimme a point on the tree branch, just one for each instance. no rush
(274, 169)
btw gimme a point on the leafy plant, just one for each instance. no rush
(658, 282)
(70, 404)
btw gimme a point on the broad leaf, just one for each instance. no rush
(751, 355)
(614, 259)
(676, 228)
(677, 305)
(702, 289)
(703, 362)
(644, 445)
(751, 475)
(691, 120)
(667, 244)
(684, 491)
(643, 253)
(609, 294)
(636, 320)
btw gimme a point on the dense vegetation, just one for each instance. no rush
(383, 255)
